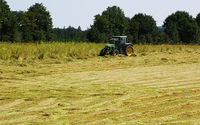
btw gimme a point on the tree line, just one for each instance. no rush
(35, 25)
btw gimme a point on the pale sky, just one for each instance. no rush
(81, 12)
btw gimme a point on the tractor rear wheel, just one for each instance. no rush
(129, 51)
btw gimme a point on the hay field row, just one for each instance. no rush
(69, 51)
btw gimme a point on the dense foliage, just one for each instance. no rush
(110, 22)
(32, 25)
(7, 23)
(69, 34)
(40, 22)
(142, 28)
(35, 25)
(181, 27)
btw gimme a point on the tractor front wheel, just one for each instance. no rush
(129, 51)
(103, 52)
(115, 52)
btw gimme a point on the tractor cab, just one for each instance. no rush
(117, 40)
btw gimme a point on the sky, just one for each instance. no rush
(81, 12)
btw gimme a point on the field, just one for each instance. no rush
(68, 84)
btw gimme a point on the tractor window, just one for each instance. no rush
(115, 39)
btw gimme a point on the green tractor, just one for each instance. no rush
(119, 45)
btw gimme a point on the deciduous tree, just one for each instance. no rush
(142, 27)
(7, 23)
(181, 27)
(39, 22)
(111, 22)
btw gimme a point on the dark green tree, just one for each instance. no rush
(23, 26)
(134, 30)
(39, 22)
(111, 22)
(8, 27)
(94, 35)
(142, 27)
(181, 27)
(198, 22)
(69, 34)
(172, 31)
(198, 19)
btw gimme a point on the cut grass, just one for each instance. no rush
(158, 86)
